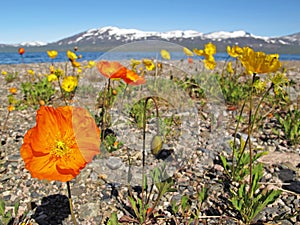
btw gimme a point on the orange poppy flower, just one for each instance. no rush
(190, 60)
(107, 68)
(21, 51)
(10, 108)
(13, 90)
(63, 141)
(129, 76)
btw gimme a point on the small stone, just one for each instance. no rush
(114, 163)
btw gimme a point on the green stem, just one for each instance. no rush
(253, 121)
(223, 68)
(144, 144)
(144, 124)
(250, 122)
(71, 204)
(234, 141)
(62, 91)
(259, 104)
(104, 110)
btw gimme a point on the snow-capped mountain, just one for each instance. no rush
(127, 35)
(105, 38)
(110, 37)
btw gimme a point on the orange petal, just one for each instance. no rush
(107, 68)
(75, 127)
(129, 76)
(87, 133)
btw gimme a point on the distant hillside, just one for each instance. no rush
(106, 38)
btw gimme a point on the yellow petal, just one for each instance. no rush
(165, 54)
(52, 54)
(71, 55)
(188, 52)
(69, 83)
(198, 52)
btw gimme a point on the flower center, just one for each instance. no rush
(62, 146)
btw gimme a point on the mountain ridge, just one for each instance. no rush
(106, 38)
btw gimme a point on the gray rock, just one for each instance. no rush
(114, 163)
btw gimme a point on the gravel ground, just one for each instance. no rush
(193, 162)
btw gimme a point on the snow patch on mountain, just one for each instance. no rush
(32, 44)
(226, 35)
(135, 34)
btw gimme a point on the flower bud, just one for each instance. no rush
(156, 145)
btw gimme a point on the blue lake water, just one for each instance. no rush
(42, 57)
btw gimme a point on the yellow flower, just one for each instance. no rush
(279, 79)
(79, 70)
(210, 49)
(188, 52)
(91, 64)
(52, 77)
(208, 52)
(134, 63)
(52, 54)
(235, 51)
(198, 52)
(4, 72)
(209, 62)
(58, 73)
(259, 62)
(30, 72)
(71, 55)
(149, 64)
(165, 54)
(229, 68)
(51, 69)
(69, 83)
(260, 85)
(75, 64)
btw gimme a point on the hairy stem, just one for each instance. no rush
(71, 204)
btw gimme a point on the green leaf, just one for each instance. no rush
(237, 204)
(16, 208)
(259, 154)
(257, 174)
(133, 206)
(2, 207)
(175, 207)
(184, 202)
(113, 220)
(203, 194)
(224, 162)
(265, 200)
(142, 210)
(7, 217)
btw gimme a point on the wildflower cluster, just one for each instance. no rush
(66, 138)
(69, 81)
